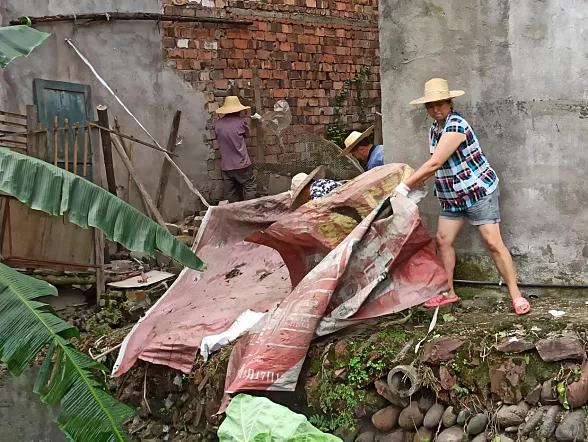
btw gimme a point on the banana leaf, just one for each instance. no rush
(66, 377)
(18, 41)
(257, 419)
(43, 186)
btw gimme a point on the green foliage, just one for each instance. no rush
(337, 131)
(461, 391)
(67, 377)
(43, 186)
(343, 389)
(323, 423)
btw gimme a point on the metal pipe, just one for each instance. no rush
(523, 284)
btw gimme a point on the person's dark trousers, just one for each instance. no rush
(239, 184)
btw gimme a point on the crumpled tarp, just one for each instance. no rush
(385, 264)
(239, 276)
(349, 259)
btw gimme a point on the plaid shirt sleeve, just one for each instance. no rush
(323, 187)
(455, 124)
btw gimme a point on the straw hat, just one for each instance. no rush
(231, 105)
(300, 181)
(355, 138)
(437, 89)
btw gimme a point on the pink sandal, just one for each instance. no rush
(521, 306)
(441, 300)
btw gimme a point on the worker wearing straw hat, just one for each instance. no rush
(466, 186)
(361, 146)
(232, 130)
(312, 186)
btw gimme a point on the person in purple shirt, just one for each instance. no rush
(232, 130)
(361, 146)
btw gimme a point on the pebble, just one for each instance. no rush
(463, 416)
(477, 424)
(411, 417)
(423, 434)
(533, 421)
(549, 422)
(449, 417)
(393, 436)
(503, 438)
(453, 434)
(386, 419)
(548, 396)
(534, 395)
(511, 430)
(512, 415)
(572, 428)
(366, 436)
(480, 438)
(433, 416)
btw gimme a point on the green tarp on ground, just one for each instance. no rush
(18, 41)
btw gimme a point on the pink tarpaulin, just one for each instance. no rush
(384, 265)
(239, 276)
(347, 256)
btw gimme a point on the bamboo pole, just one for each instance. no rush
(166, 166)
(75, 147)
(66, 143)
(55, 140)
(107, 148)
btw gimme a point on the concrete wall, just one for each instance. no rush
(129, 57)
(523, 65)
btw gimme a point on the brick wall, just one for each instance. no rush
(304, 51)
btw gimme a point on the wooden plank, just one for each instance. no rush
(12, 114)
(166, 165)
(259, 110)
(144, 194)
(32, 147)
(107, 148)
(13, 123)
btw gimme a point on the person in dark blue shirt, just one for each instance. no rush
(361, 146)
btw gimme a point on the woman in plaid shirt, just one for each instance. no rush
(466, 186)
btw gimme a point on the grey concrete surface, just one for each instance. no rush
(525, 70)
(23, 418)
(128, 55)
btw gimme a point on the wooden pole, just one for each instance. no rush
(32, 141)
(86, 142)
(99, 243)
(166, 165)
(144, 194)
(258, 109)
(66, 143)
(55, 140)
(378, 136)
(107, 148)
(150, 16)
(75, 148)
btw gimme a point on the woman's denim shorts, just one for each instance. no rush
(484, 211)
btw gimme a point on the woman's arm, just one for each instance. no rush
(448, 144)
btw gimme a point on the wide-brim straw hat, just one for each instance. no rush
(231, 105)
(437, 89)
(299, 184)
(355, 138)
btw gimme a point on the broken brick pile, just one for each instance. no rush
(303, 52)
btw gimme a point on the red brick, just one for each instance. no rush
(246, 73)
(221, 84)
(265, 73)
(183, 64)
(280, 93)
(311, 3)
(285, 47)
(241, 44)
(262, 26)
(230, 73)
